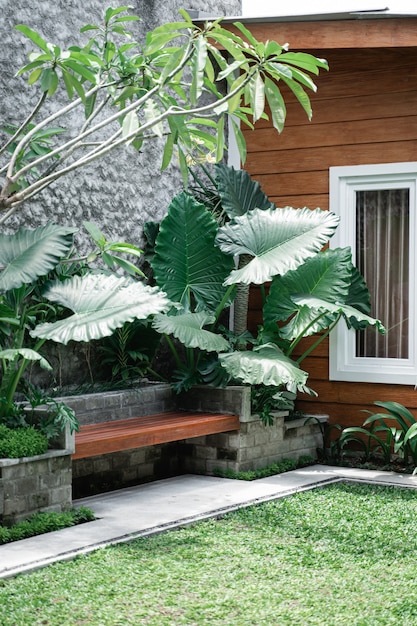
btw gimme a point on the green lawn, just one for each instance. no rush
(342, 555)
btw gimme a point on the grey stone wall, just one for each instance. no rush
(125, 189)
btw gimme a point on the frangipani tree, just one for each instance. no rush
(126, 92)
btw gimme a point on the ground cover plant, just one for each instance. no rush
(344, 554)
(285, 465)
(45, 522)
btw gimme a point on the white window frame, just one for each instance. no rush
(344, 183)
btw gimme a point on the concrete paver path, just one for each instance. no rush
(166, 504)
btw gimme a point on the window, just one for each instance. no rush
(377, 207)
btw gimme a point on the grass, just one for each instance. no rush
(340, 555)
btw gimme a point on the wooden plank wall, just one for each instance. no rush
(365, 111)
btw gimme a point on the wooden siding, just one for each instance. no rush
(365, 111)
(341, 34)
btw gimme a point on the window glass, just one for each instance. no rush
(382, 257)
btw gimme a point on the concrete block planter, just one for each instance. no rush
(253, 446)
(38, 483)
(120, 469)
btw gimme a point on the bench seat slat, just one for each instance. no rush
(137, 432)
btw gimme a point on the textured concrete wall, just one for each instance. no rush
(125, 189)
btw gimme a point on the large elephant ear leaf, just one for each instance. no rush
(338, 309)
(359, 298)
(188, 329)
(187, 265)
(326, 276)
(238, 192)
(279, 240)
(12, 354)
(101, 303)
(29, 254)
(264, 365)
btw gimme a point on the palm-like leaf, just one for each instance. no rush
(279, 240)
(187, 265)
(265, 365)
(238, 192)
(101, 303)
(28, 254)
(188, 329)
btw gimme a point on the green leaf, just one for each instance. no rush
(127, 18)
(127, 266)
(33, 36)
(25, 353)
(279, 240)
(220, 140)
(72, 84)
(94, 232)
(101, 303)
(410, 434)
(130, 125)
(276, 104)
(30, 66)
(156, 42)
(188, 329)
(187, 264)
(240, 140)
(110, 12)
(300, 94)
(28, 254)
(49, 81)
(325, 276)
(183, 166)
(264, 365)
(82, 70)
(231, 69)
(246, 33)
(256, 90)
(197, 69)
(151, 114)
(337, 308)
(126, 248)
(33, 77)
(399, 411)
(238, 192)
(88, 27)
(168, 151)
(305, 61)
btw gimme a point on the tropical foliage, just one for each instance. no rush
(311, 290)
(152, 89)
(393, 432)
(37, 266)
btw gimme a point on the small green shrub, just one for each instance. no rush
(387, 434)
(286, 465)
(45, 522)
(18, 442)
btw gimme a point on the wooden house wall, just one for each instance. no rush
(365, 111)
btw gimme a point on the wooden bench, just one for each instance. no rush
(137, 432)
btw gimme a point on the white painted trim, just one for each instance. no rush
(344, 182)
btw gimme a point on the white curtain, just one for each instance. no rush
(382, 256)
